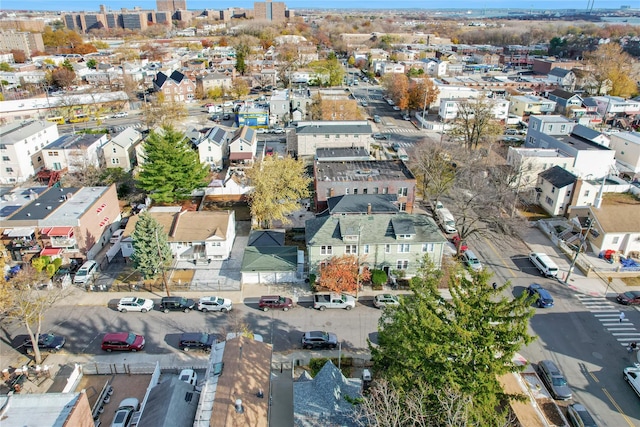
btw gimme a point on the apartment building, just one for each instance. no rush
(24, 41)
(270, 11)
(74, 152)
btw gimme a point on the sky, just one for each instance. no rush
(92, 5)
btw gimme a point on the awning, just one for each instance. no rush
(241, 156)
(50, 251)
(59, 232)
(19, 232)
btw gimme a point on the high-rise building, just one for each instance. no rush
(171, 5)
(269, 11)
(24, 41)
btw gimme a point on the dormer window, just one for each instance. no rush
(405, 236)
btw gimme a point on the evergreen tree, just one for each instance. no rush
(429, 343)
(151, 251)
(171, 169)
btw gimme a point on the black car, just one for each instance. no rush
(226, 117)
(629, 298)
(197, 340)
(176, 303)
(46, 342)
(319, 339)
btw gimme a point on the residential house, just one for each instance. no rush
(175, 87)
(524, 106)
(72, 409)
(617, 111)
(335, 178)
(324, 400)
(267, 260)
(566, 102)
(435, 67)
(530, 162)
(213, 149)
(20, 148)
(593, 159)
(309, 136)
(74, 152)
(171, 403)
(243, 146)
(380, 68)
(449, 108)
(121, 150)
(242, 392)
(565, 79)
(381, 241)
(59, 222)
(616, 224)
(198, 236)
(212, 81)
(279, 107)
(627, 148)
(555, 186)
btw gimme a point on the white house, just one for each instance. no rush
(198, 236)
(530, 162)
(449, 108)
(243, 146)
(20, 146)
(627, 148)
(308, 136)
(555, 187)
(75, 152)
(213, 149)
(120, 151)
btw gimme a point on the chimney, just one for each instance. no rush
(239, 408)
(368, 208)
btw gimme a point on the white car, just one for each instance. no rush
(632, 376)
(471, 261)
(134, 304)
(120, 115)
(385, 300)
(214, 303)
(125, 411)
(189, 376)
(116, 236)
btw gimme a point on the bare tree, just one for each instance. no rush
(434, 168)
(475, 122)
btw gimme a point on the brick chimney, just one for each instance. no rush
(368, 208)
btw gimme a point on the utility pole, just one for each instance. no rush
(588, 222)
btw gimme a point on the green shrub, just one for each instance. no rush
(378, 278)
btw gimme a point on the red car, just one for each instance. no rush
(276, 302)
(269, 151)
(629, 298)
(123, 341)
(456, 240)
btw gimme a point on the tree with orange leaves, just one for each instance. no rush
(340, 274)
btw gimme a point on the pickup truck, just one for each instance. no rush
(333, 300)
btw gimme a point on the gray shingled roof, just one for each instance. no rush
(585, 132)
(330, 128)
(380, 229)
(359, 203)
(559, 72)
(321, 401)
(563, 94)
(270, 258)
(558, 176)
(171, 403)
(260, 238)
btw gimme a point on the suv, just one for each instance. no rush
(46, 342)
(124, 341)
(125, 411)
(554, 380)
(214, 304)
(579, 416)
(134, 304)
(385, 300)
(471, 260)
(196, 340)
(275, 301)
(319, 339)
(175, 303)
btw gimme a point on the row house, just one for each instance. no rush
(529, 162)
(67, 223)
(567, 103)
(381, 68)
(343, 178)
(309, 136)
(175, 87)
(563, 78)
(74, 152)
(435, 67)
(20, 148)
(449, 108)
(213, 81)
(616, 110)
(243, 146)
(213, 149)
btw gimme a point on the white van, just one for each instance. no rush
(544, 263)
(86, 272)
(446, 220)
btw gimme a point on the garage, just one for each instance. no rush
(269, 265)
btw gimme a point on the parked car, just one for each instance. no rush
(261, 130)
(46, 342)
(176, 303)
(122, 341)
(406, 117)
(125, 411)
(364, 103)
(631, 375)
(189, 376)
(554, 380)
(543, 297)
(376, 119)
(268, 151)
(86, 272)
(214, 304)
(196, 341)
(120, 115)
(134, 304)
(275, 302)
(319, 339)
(278, 130)
(124, 221)
(385, 300)
(471, 260)
(579, 416)
(226, 117)
(629, 298)
(380, 136)
(396, 108)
